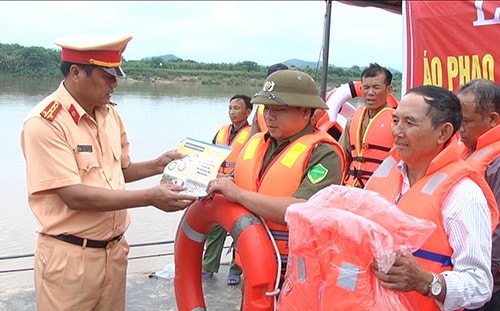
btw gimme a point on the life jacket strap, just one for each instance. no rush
(359, 173)
(443, 259)
(228, 164)
(365, 159)
(377, 147)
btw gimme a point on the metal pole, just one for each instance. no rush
(326, 48)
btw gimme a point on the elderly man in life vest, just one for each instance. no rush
(289, 162)
(425, 176)
(480, 134)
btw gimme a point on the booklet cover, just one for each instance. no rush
(198, 167)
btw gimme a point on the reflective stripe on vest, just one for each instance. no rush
(482, 153)
(261, 121)
(239, 140)
(433, 183)
(384, 168)
(290, 162)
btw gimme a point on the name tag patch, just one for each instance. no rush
(84, 148)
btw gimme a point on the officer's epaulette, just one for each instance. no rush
(51, 111)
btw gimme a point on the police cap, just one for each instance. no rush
(290, 88)
(103, 51)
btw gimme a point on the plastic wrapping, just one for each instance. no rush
(334, 239)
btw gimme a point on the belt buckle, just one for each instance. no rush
(113, 242)
(110, 244)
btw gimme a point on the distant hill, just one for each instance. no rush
(290, 63)
(164, 57)
(301, 63)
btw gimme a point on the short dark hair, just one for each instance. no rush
(374, 70)
(487, 95)
(66, 65)
(245, 98)
(444, 106)
(276, 67)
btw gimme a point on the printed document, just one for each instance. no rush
(197, 168)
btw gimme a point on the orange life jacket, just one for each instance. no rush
(487, 150)
(236, 144)
(331, 127)
(444, 171)
(282, 177)
(368, 150)
(332, 251)
(261, 121)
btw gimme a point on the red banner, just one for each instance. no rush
(449, 43)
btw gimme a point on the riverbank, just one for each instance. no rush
(145, 292)
(161, 81)
(195, 80)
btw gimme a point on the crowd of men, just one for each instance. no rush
(435, 155)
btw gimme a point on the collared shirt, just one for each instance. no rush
(72, 149)
(467, 223)
(323, 154)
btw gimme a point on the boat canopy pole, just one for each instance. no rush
(326, 47)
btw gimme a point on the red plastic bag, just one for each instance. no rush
(334, 238)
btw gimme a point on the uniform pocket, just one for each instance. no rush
(86, 161)
(43, 256)
(117, 153)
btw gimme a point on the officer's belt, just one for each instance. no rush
(86, 242)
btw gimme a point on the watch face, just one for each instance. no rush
(436, 288)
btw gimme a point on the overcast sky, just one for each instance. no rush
(265, 32)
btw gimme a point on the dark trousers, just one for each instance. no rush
(492, 305)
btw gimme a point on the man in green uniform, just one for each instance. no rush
(288, 163)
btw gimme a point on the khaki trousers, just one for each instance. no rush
(71, 277)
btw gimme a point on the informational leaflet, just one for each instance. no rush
(197, 168)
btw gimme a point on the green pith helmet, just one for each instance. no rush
(290, 88)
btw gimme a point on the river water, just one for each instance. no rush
(157, 117)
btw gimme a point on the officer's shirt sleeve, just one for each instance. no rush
(50, 161)
(324, 169)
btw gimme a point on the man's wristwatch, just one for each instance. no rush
(435, 287)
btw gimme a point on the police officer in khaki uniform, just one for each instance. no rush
(289, 162)
(77, 163)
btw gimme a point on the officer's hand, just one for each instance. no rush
(168, 157)
(168, 198)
